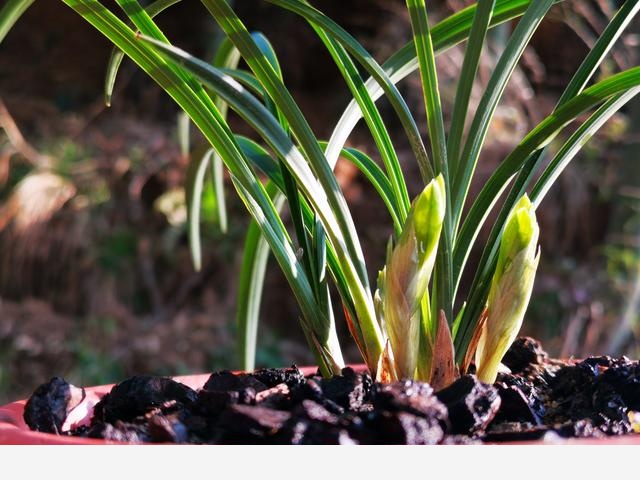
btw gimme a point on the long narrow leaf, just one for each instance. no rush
(548, 129)
(256, 114)
(375, 123)
(539, 137)
(194, 183)
(265, 73)
(443, 287)
(250, 286)
(116, 56)
(344, 237)
(489, 102)
(378, 179)
(255, 259)
(477, 35)
(446, 34)
(480, 284)
(10, 13)
(310, 257)
(584, 73)
(313, 251)
(264, 161)
(207, 120)
(577, 141)
(337, 33)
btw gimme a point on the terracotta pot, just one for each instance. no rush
(14, 431)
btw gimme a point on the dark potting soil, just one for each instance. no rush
(596, 397)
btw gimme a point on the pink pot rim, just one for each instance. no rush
(14, 431)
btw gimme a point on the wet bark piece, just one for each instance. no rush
(226, 380)
(166, 429)
(471, 404)
(624, 378)
(226, 388)
(276, 397)
(571, 380)
(514, 406)
(250, 423)
(315, 412)
(48, 407)
(412, 397)
(533, 394)
(599, 391)
(524, 353)
(312, 424)
(272, 377)
(607, 401)
(306, 432)
(571, 393)
(212, 403)
(120, 432)
(312, 390)
(580, 429)
(403, 428)
(348, 390)
(515, 432)
(137, 395)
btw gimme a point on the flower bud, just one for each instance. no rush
(511, 288)
(405, 278)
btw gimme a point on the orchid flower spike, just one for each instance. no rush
(511, 288)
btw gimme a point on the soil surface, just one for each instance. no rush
(539, 398)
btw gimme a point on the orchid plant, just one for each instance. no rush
(412, 324)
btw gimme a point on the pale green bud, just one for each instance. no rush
(405, 278)
(511, 288)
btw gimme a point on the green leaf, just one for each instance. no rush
(575, 143)
(538, 138)
(375, 123)
(11, 13)
(443, 287)
(217, 177)
(378, 180)
(493, 92)
(355, 49)
(178, 85)
(256, 249)
(480, 284)
(477, 35)
(116, 56)
(264, 123)
(226, 56)
(196, 172)
(446, 34)
(250, 286)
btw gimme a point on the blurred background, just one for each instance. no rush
(96, 281)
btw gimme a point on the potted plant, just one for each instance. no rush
(411, 327)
